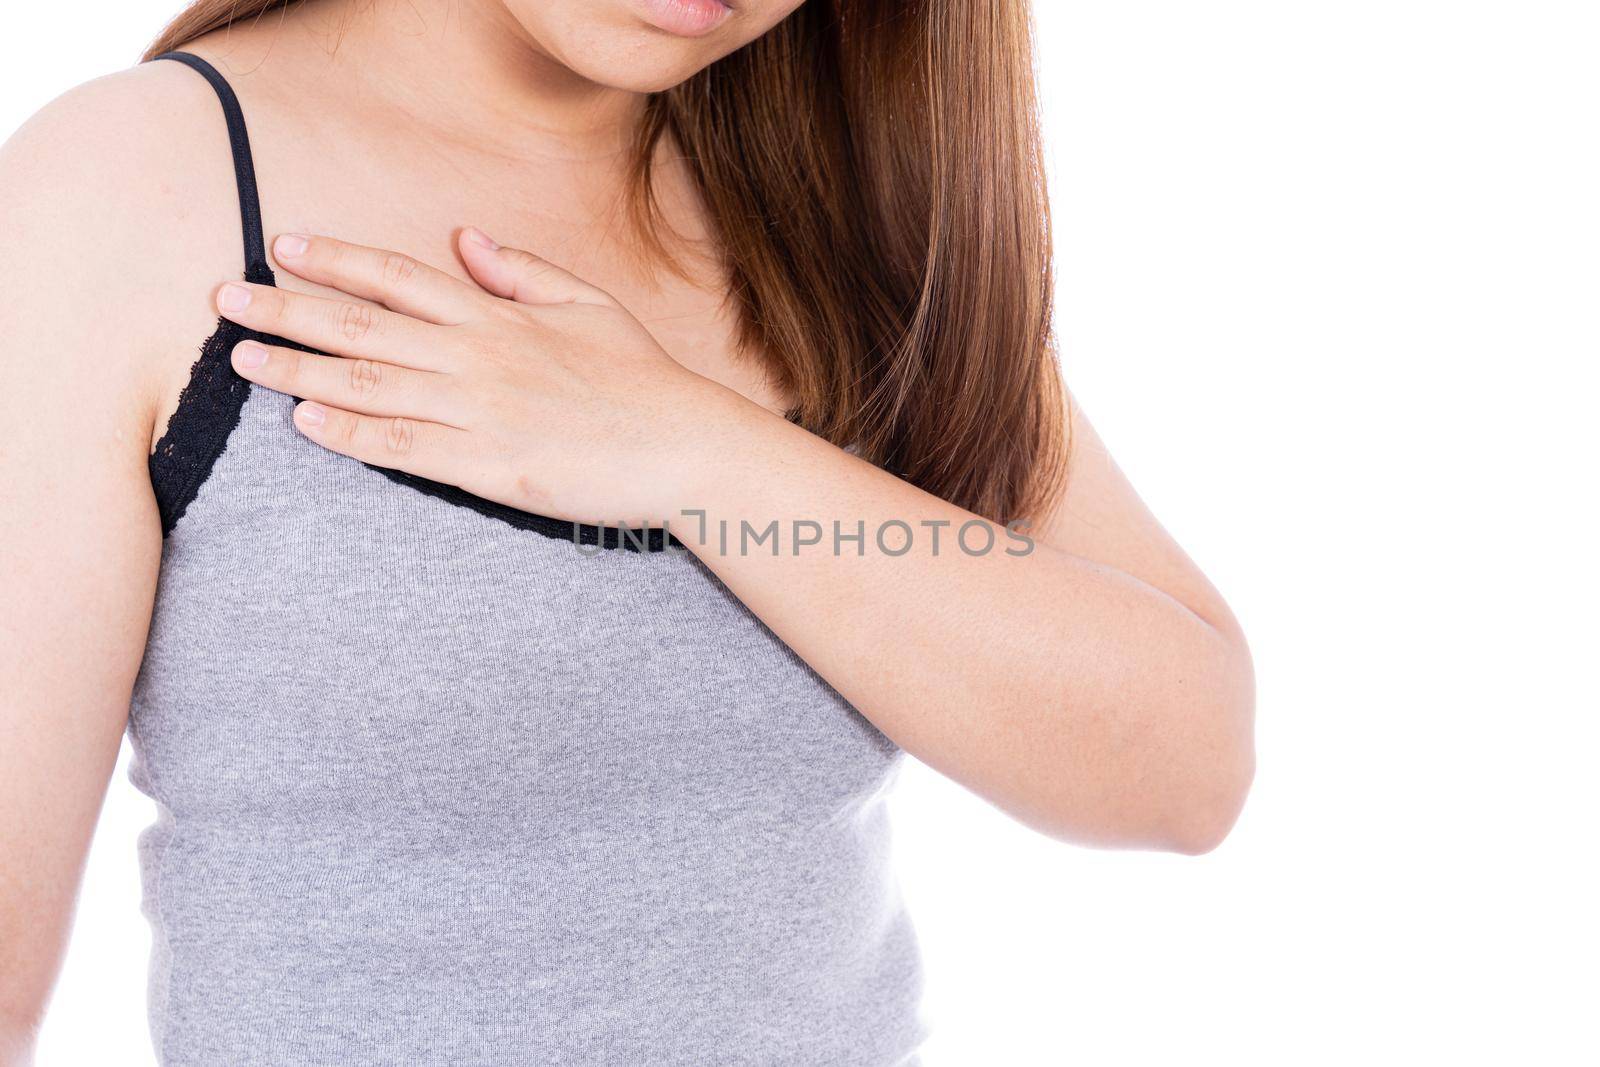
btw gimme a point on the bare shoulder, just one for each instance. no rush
(120, 160)
(118, 204)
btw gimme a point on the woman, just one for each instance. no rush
(642, 430)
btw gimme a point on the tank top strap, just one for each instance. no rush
(256, 268)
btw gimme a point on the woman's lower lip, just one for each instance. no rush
(685, 18)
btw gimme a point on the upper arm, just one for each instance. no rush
(1099, 516)
(80, 537)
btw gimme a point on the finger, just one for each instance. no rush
(426, 449)
(339, 327)
(396, 281)
(522, 276)
(368, 386)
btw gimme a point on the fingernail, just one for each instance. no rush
(249, 354)
(289, 245)
(310, 414)
(233, 297)
(481, 239)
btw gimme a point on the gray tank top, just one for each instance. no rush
(440, 782)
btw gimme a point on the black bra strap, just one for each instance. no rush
(256, 268)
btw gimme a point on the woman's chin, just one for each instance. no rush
(644, 45)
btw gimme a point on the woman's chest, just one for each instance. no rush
(579, 217)
(328, 640)
(688, 316)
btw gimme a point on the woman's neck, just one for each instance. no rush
(461, 71)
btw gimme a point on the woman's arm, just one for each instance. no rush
(1096, 687)
(80, 540)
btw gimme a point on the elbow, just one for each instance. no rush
(1211, 778)
(1179, 785)
(1166, 775)
(1215, 762)
(1200, 818)
(1188, 808)
(18, 1033)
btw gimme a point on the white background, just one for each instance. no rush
(1328, 287)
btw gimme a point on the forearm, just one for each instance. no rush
(1081, 699)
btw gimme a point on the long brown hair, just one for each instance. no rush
(873, 174)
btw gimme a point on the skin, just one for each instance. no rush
(1097, 689)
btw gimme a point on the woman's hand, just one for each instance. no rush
(537, 390)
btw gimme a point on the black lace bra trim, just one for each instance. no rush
(211, 402)
(208, 411)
